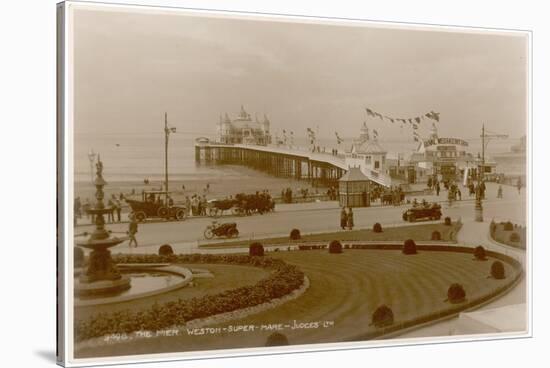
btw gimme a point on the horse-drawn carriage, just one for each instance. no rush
(242, 204)
(156, 204)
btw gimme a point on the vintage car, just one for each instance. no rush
(156, 204)
(423, 211)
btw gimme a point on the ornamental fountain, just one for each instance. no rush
(101, 276)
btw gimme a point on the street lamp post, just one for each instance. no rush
(167, 132)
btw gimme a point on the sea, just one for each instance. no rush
(137, 156)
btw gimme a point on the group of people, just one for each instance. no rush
(286, 195)
(346, 218)
(196, 205)
(114, 204)
(332, 193)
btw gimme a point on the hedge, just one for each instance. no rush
(409, 247)
(497, 270)
(165, 250)
(283, 280)
(382, 316)
(456, 293)
(377, 228)
(479, 253)
(295, 234)
(335, 247)
(256, 249)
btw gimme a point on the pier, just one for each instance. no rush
(318, 168)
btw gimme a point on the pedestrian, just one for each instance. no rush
(204, 202)
(499, 193)
(350, 218)
(343, 218)
(132, 230)
(459, 194)
(188, 205)
(118, 209)
(437, 188)
(519, 185)
(170, 202)
(111, 207)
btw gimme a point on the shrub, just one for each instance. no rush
(448, 221)
(479, 253)
(456, 293)
(514, 237)
(508, 226)
(382, 316)
(295, 234)
(497, 270)
(276, 339)
(166, 250)
(78, 254)
(335, 247)
(377, 228)
(409, 247)
(436, 235)
(256, 249)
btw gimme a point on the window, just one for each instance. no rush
(376, 164)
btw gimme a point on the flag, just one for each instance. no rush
(415, 139)
(370, 112)
(380, 116)
(410, 121)
(392, 120)
(415, 126)
(417, 120)
(374, 133)
(338, 139)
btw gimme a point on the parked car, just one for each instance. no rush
(425, 211)
(156, 204)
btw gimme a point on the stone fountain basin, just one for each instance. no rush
(184, 273)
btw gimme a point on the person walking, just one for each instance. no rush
(437, 188)
(519, 185)
(188, 205)
(350, 219)
(132, 230)
(499, 192)
(118, 209)
(343, 218)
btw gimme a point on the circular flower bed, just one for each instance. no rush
(382, 316)
(256, 250)
(276, 339)
(456, 293)
(497, 270)
(479, 253)
(295, 234)
(409, 247)
(166, 250)
(335, 247)
(283, 280)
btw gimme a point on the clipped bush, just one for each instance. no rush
(382, 316)
(436, 235)
(448, 221)
(497, 270)
(256, 249)
(78, 254)
(409, 247)
(295, 234)
(456, 293)
(276, 339)
(508, 226)
(335, 247)
(479, 253)
(514, 237)
(377, 228)
(166, 250)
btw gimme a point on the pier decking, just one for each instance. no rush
(319, 168)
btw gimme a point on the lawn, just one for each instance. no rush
(345, 290)
(417, 232)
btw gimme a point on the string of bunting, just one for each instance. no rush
(414, 122)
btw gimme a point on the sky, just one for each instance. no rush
(130, 68)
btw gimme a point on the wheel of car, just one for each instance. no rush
(411, 218)
(232, 232)
(180, 214)
(208, 234)
(162, 212)
(140, 216)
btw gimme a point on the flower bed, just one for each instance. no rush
(508, 233)
(283, 280)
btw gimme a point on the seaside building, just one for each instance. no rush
(444, 158)
(244, 130)
(369, 157)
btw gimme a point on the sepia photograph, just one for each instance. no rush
(261, 183)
